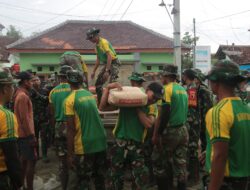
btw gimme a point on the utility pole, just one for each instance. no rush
(177, 35)
(194, 65)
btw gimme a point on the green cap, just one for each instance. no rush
(6, 77)
(75, 76)
(137, 77)
(225, 71)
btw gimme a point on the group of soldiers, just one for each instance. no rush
(166, 143)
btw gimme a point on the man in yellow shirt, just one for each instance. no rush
(10, 166)
(105, 54)
(228, 131)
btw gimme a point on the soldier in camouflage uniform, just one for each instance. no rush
(129, 133)
(106, 55)
(10, 166)
(188, 79)
(205, 102)
(40, 102)
(86, 136)
(137, 80)
(169, 156)
(56, 99)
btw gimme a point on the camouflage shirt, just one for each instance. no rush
(40, 103)
(205, 101)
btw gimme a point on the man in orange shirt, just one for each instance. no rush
(27, 141)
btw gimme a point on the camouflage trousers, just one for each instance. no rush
(88, 166)
(192, 156)
(114, 71)
(5, 182)
(170, 159)
(42, 130)
(127, 153)
(148, 148)
(61, 149)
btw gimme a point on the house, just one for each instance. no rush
(4, 54)
(239, 54)
(138, 48)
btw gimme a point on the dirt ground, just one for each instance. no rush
(46, 175)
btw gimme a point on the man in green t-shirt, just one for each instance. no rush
(171, 155)
(105, 54)
(228, 131)
(130, 132)
(86, 136)
(56, 99)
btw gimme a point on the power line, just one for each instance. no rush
(126, 9)
(103, 8)
(112, 6)
(118, 8)
(45, 22)
(235, 35)
(204, 34)
(9, 6)
(168, 13)
(222, 17)
(19, 20)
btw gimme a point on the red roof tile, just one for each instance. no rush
(71, 35)
(240, 54)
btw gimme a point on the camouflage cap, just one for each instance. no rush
(92, 32)
(190, 73)
(6, 77)
(64, 69)
(73, 59)
(75, 76)
(169, 70)
(225, 71)
(200, 76)
(137, 77)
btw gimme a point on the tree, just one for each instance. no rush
(13, 32)
(187, 58)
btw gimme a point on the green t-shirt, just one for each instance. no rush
(229, 121)
(102, 48)
(176, 96)
(57, 97)
(90, 134)
(129, 127)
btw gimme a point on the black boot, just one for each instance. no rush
(181, 186)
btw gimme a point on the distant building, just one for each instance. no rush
(239, 54)
(4, 54)
(138, 48)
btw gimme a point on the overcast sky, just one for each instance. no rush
(217, 21)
